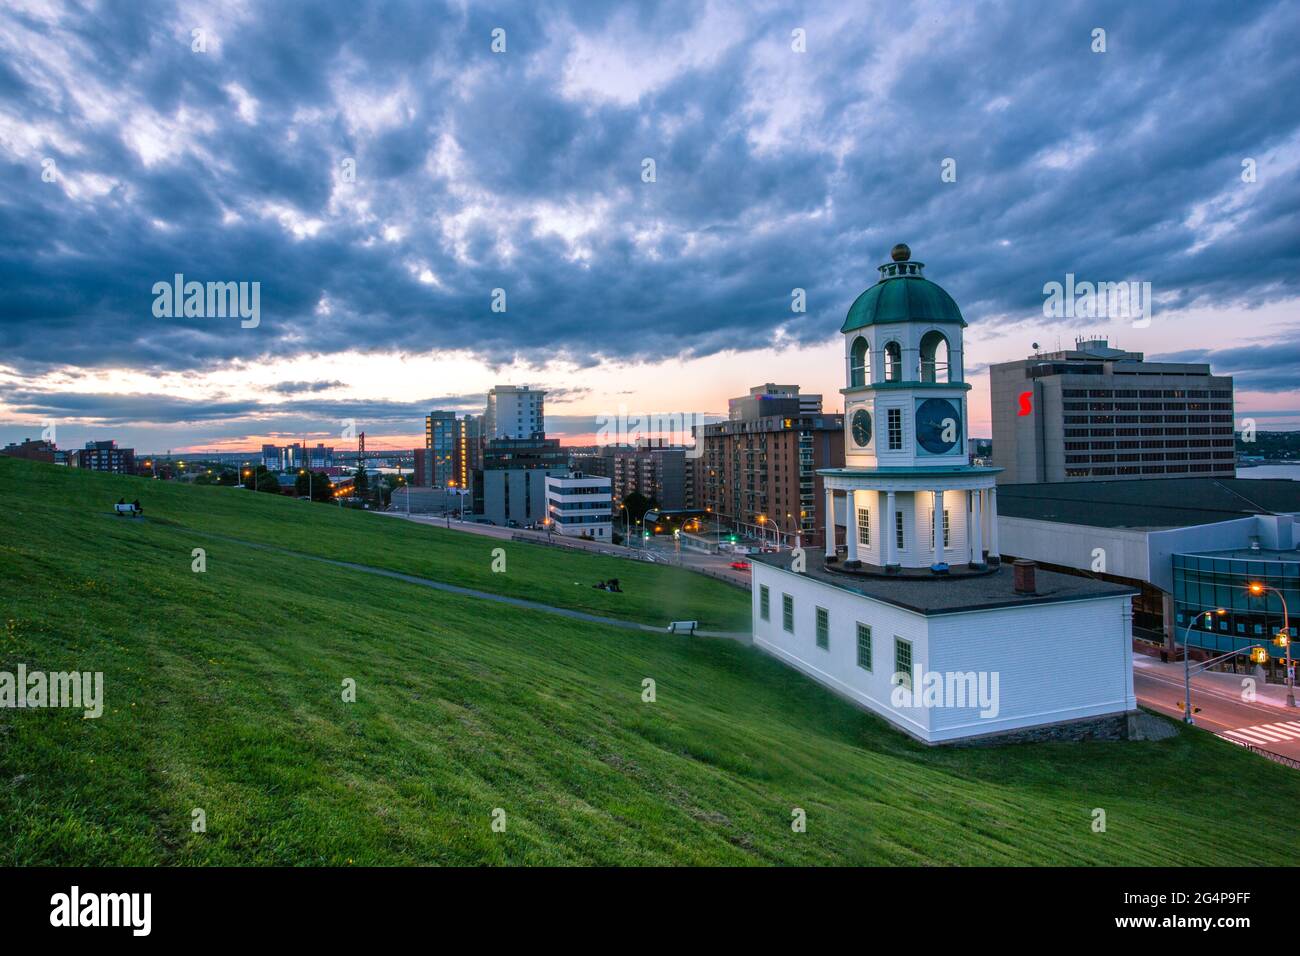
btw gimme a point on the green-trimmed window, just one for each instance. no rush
(903, 662)
(787, 613)
(894, 417)
(764, 603)
(823, 629)
(864, 646)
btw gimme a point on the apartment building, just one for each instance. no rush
(759, 472)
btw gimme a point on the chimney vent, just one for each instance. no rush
(1024, 576)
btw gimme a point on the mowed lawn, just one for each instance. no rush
(223, 693)
(201, 516)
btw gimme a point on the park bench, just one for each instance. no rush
(683, 627)
(128, 509)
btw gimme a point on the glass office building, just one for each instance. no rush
(1219, 579)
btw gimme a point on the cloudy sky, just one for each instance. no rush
(380, 169)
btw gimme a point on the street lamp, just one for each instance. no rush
(1259, 589)
(1187, 665)
(308, 473)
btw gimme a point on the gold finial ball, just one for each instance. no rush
(900, 252)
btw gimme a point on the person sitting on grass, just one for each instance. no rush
(613, 585)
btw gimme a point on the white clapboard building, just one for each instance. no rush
(909, 611)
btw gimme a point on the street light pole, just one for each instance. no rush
(1258, 588)
(1187, 665)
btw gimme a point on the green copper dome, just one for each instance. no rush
(903, 294)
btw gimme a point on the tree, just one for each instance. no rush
(317, 484)
(266, 481)
(361, 480)
(637, 505)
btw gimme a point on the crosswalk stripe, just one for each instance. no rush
(1284, 729)
(1243, 734)
(1257, 736)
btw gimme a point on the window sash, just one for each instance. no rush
(864, 526)
(823, 628)
(864, 646)
(895, 418)
(903, 661)
(764, 603)
(787, 613)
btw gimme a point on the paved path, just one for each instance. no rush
(714, 565)
(742, 636)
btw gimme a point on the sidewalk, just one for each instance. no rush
(1227, 685)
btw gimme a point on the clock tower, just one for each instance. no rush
(912, 500)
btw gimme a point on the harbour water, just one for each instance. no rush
(1271, 471)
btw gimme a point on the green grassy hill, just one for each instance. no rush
(224, 693)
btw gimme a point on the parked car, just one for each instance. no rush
(512, 523)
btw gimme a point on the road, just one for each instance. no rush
(715, 564)
(1266, 722)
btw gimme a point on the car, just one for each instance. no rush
(512, 523)
(740, 565)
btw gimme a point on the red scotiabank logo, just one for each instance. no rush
(1026, 403)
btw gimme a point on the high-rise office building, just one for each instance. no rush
(766, 401)
(436, 468)
(514, 411)
(514, 478)
(1095, 413)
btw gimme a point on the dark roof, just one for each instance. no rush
(936, 595)
(1150, 502)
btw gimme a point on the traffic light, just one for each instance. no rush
(1283, 638)
(1259, 655)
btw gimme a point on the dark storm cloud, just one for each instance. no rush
(1260, 367)
(294, 388)
(775, 170)
(114, 408)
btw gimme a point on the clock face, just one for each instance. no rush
(861, 426)
(938, 426)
